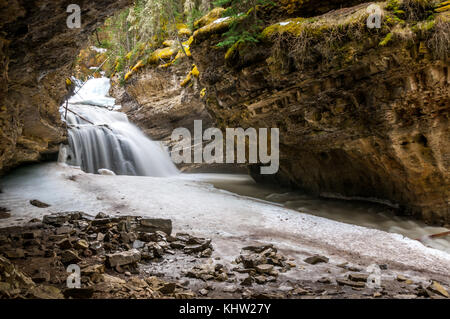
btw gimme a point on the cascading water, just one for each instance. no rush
(102, 138)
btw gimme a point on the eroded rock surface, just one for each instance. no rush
(37, 50)
(361, 113)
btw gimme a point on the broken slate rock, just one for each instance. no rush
(358, 277)
(264, 268)
(316, 259)
(438, 289)
(38, 203)
(69, 256)
(123, 258)
(168, 288)
(152, 225)
(345, 282)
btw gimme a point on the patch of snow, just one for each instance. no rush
(221, 20)
(104, 171)
(99, 50)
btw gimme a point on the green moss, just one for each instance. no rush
(209, 18)
(387, 39)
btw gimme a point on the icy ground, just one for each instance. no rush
(232, 221)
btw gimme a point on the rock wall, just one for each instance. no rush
(37, 50)
(155, 100)
(362, 113)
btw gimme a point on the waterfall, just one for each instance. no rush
(102, 138)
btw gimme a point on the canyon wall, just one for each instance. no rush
(37, 51)
(361, 112)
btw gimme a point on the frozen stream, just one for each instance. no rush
(232, 210)
(231, 220)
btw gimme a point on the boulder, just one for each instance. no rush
(345, 282)
(198, 247)
(317, 259)
(168, 288)
(152, 225)
(45, 292)
(123, 258)
(81, 244)
(357, 277)
(264, 268)
(38, 203)
(55, 219)
(438, 289)
(70, 256)
(64, 243)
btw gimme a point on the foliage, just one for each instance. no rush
(246, 25)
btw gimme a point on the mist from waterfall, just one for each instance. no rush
(102, 138)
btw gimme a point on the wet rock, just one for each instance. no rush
(93, 269)
(45, 292)
(148, 237)
(260, 249)
(102, 222)
(252, 260)
(79, 293)
(64, 243)
(345, 282)
(12, 280)
(198, 247)
(101, 215)
(64, 230)
(123, 258)
(185, 295)
(40, 276)
(168, 288)
(316, 259)
(438, 289)
(260, 279)
(177, 245)
(203, 292)
(4, 213)
(324, 280)
(248, 281)
(155, 249)
(206, 253)
(137, 244)
(81, 244)
(38, 203)
(264, 268)
(405, 296)
(70, 256)
(32, 234)
(55, 219)
(127, 237)
(151, 225)
(15, 254)
(358, 277)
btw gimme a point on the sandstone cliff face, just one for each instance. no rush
(368, 120)
(155, 100)
(37, 50)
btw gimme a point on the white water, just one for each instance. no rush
(101, 138)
